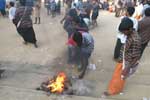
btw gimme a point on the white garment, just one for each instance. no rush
(87, 21)
(122, 37)
(135, 23)
(144, 8)
(12, 12)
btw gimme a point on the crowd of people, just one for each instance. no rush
(133, 30)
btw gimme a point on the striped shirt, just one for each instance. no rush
(144, 29)
(132, 50)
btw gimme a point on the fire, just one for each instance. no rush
(57, 85)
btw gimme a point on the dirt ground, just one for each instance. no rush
(26, 66)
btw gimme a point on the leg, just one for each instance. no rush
(39, 20)
(84, 63)
(117, 49)
(35, 20)
(143, 48)
(70, 51)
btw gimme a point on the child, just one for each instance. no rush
(12, 10)
(131, 49)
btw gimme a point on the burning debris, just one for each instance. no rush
(61, 84)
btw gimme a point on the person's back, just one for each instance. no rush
(88, 43)
(24, 13)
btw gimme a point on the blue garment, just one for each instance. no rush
(2, 4)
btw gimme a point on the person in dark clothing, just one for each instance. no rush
(24, 24)
(2, 7)
(68, 21)
(95, 13)
(58, 7)
(144, 30)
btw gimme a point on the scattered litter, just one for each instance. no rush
(121, 93)
(92, 66)
(103, 96)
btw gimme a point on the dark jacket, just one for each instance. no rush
(26, 21)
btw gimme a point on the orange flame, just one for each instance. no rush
(57, 85)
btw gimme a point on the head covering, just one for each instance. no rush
(126, 24)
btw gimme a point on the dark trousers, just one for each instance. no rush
(117, 12)
(79, 57)
(143, 48)
(84, 63)
(3, 12)
(117, 49)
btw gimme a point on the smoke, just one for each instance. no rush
(82, 87)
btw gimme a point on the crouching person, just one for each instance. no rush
(130, 59)
(85, 44)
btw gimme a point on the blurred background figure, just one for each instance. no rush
(118, 7)
(12, 10)
(95, 13)
(23, 23)
(3, 7)
(37, 12)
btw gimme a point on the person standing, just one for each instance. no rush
(118, 6)
(23, 22)
(37, 12)
(131, 49)
(12, 10)
(95, 13)
(121, 38)
(2, 7)
(53, 8)
(144, 30)
(131, 53)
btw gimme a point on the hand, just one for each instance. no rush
(125, 73)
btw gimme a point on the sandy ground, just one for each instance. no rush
(26, 66)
